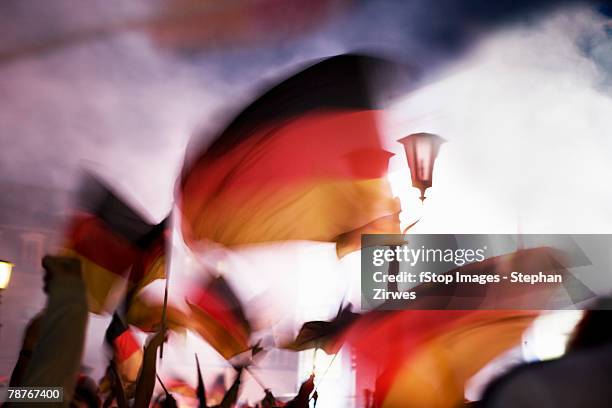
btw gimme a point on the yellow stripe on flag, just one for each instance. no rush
(104, 288)
(319, 211)
(435, 376)
(227, 344)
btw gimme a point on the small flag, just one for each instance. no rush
(110, 237)
(217, 315)
(326, 335)
(147, 314)
(127, 350)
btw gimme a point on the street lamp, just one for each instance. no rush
(421, 152)
(5, 274)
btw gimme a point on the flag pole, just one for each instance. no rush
(256, 378)
(324, 374)
(164, 308)
(164, 319)
(162, 384)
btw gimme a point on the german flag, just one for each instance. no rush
(326, 335)
(423, 358)
(427, 356)
(147, 315)
(434, 372)
(180, 387)
(217, 315)
(127, 350)
(303, 162)
(416, 326)
(116, 245)
(151, 261)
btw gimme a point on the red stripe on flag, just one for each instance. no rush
(221, 312)
(144, 267)
(312, 169)
(331, 145)
(125, 345)
(90, 238)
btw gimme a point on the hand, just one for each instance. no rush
(61, 264)
(55, 265)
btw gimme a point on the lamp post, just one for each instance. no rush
(421, 152)
(5, 276)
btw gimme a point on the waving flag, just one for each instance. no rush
(151, 262)
(426, 356)
(180, 387)
(415, 326)
(217, 315)
(303, 162)
(326, 335)
(434, 374)
(146, 315)
(127, 350)
(116, 246)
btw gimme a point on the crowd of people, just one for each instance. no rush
(53, 345)
(54, 340)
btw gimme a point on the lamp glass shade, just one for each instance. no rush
(5, 273)
(421, 152)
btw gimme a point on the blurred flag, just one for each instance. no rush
(303, 162)
(116, 246)
(427, 356)
(181, 387)
(326, 335)
(434, 374)
(147, 315)
(423, 319)
(151, 262)
(127, 351)
(217, 315)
